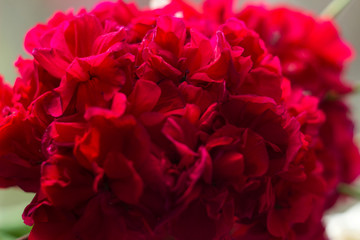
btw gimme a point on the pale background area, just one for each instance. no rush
(17, 16)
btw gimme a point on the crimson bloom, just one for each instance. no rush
(304, 49)
(176, 123)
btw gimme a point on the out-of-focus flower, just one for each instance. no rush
(303, 45)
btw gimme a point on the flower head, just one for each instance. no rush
(176, 123)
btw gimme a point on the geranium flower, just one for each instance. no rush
(171, 123)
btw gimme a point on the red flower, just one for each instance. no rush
(302, 43)
(176, 123)
(339, 154)
(20, 151)
(19, 144)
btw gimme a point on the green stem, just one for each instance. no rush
(26, 237)
(334, 8)
(349, 190)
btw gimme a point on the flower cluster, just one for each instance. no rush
(177, 123)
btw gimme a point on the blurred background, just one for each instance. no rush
(18, 16)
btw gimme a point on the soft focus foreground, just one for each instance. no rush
(179, 122)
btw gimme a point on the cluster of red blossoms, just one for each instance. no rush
(177, 123)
